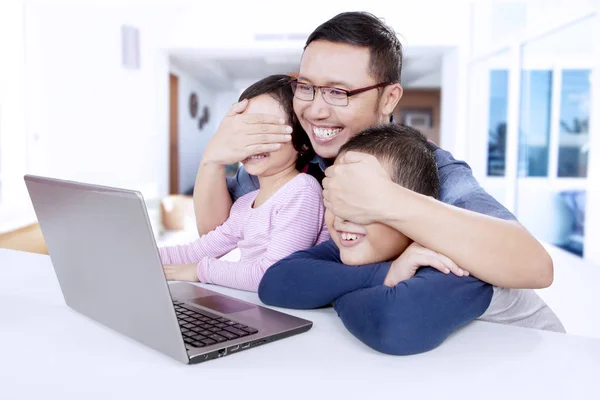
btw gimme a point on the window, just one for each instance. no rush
(554, 134)
(574, 124)
(536, 109)
(534, 125)
(498, 113)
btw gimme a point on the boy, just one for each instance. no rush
(381, 304)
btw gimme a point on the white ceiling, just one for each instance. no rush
(226, 69)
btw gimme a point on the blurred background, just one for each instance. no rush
(128, 93)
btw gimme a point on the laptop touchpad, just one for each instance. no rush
(222, 304)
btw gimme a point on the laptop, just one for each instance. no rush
(105, 256)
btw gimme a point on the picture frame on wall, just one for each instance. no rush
(204, 118)
(418, 118)
(193, 105)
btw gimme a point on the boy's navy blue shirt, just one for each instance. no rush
(417, 314)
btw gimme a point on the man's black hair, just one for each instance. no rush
(365, 30)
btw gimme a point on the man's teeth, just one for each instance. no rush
(325, 133)
(349, 236)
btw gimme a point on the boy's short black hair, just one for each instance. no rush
(279, 87)
(363, 29)
(406, 151)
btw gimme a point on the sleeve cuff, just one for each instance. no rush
(202, 270)
(164, 255)
(380, 273)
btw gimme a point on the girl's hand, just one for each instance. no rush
(416, 256)
(181, 272)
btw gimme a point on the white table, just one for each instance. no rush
(574, 294)
(48, 351)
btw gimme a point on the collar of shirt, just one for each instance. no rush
(322, 163)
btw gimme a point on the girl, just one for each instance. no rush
(284, 216)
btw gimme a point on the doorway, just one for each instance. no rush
(173, 134)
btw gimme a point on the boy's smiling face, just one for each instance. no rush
(365, 244)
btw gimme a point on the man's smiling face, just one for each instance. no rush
(346, 67)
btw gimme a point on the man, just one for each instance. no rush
(348, 81)
(378, 300)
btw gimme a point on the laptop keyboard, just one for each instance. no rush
(201, 329)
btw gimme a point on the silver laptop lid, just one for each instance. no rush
(106, 261)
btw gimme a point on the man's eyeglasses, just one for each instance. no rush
(331, 95)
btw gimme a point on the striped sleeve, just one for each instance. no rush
(324, 235)
(297, 226)
(215, 243)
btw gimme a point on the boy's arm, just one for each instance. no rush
(412, 317)
(497, 251)
(296, 225)
(416, 315)
(315, 278)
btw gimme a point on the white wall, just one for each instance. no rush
(223, 103)
(500, 22)
(453, 128)
(592, 223)
(192, 140)
(450, 133)
(413, 20)
(15, 209)
(89, 118)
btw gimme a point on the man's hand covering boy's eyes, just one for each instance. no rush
(354, 189)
